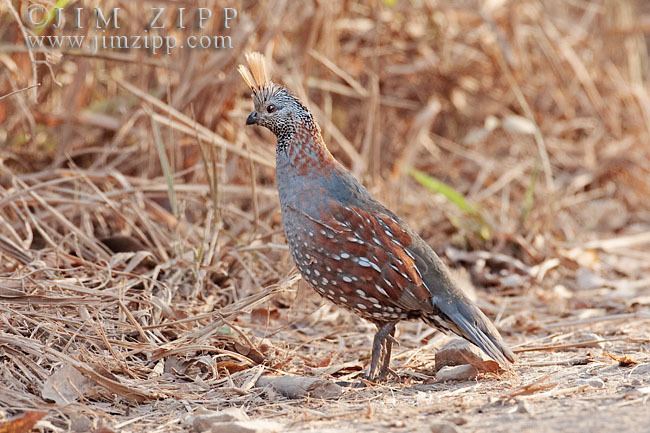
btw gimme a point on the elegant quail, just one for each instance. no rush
(347, 245)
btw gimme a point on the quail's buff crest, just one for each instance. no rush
(348, 246)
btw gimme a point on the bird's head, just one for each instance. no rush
(276, 108)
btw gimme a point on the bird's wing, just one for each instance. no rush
(414, 277)
(376, 245)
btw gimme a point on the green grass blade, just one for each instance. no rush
(456, 198)
(435, 185)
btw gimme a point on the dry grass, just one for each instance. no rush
(140, 237)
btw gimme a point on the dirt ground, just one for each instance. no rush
(582, 372)
(560, 390)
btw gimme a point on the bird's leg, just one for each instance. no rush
(388, 346)
(381, 348)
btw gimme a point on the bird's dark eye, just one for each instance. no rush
(271, 108)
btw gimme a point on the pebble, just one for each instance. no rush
(594, 382)
(443, 427)
(457, 372)
(460, 352)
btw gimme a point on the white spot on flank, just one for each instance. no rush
(342, 299)
(375, 240)
(347, 279)
(363, 307)
(361, 293)
(316, 273)
(324, 281)
(345, 256)
(366, 263)
(380, 290)
(307, 271)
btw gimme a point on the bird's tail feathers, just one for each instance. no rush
(469, 322)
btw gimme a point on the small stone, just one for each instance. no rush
(458, 420)
(256, 426)
(204, 420)
(641, 369)
(460, 352)
(513, 280)
(443, 427)
(456, 372)
(300, 387)
(522, 407)
(594, 382)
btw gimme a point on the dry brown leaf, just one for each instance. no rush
(66, 385)
(231, 366)
(22, 423)
(263, 316)
(123, 244)
(623, 360)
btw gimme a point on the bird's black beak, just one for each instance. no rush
(252, 118)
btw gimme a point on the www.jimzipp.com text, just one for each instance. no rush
(154, 43)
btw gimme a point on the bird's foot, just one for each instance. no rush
(381, 376)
